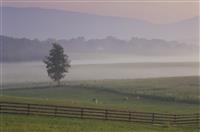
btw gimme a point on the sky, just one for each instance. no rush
(156, 11)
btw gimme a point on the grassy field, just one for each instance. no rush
(21, 123)
(178, 89)
(166, 95)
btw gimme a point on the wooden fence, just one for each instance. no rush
(97, 113)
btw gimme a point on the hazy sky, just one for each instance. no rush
(156, 11)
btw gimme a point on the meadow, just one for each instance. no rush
(166, 95)
(175, 95)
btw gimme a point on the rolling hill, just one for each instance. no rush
(50, 23)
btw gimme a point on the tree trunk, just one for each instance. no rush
(58, 83)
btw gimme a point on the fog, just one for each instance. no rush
(36, 72)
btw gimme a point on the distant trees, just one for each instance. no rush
(57, 63)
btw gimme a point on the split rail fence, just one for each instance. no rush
(97, 113)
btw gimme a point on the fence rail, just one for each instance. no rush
(97, 113)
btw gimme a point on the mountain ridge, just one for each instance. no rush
(50, 23)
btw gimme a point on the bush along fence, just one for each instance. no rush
(97, 113)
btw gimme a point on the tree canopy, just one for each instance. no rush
(57, 63)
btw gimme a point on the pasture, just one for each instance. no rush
(175, 95)
(166, 95)
(24, 123)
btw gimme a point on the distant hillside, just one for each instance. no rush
(23, 49)
(50, 23)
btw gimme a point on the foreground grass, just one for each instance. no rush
(21, 123)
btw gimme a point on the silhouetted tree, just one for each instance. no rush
(57, 63)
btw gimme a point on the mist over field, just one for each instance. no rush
(99, 47)
(25, 72)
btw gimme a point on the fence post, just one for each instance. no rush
(153, 116)
(129, 116)
(175, 119)
(197, 118)
(0, 108)
(106, 114)
(82, 110)
(55, 112)
(28, 109)
(132, 116)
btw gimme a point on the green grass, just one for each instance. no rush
(164, 95)
(175, 88)
(24, 123)
(184, 89)
(112, 94)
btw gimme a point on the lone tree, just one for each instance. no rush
(57, 63)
